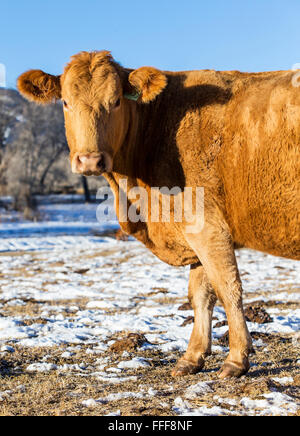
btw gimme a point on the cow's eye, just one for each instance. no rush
(118, 102)
(65, 104)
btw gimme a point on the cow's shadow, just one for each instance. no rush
(6, 369)
(158, 162)
(265, 372)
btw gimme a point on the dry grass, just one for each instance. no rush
(59, 393)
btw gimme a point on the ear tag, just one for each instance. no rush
(133, 97)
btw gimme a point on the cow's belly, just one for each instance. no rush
(271, 233)
(165, 240)
(264, 207)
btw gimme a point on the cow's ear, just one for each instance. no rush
(40, 87)
(147, 83)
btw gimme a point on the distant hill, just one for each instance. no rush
(11, 101)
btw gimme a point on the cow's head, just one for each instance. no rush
(96, 94)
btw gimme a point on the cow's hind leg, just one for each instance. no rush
(203, 300)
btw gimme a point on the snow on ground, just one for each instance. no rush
(90, 289)
(56, 216)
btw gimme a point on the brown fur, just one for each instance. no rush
(149, 82)
(40, 87)
(235, 134)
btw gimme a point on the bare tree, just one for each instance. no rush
(6, 121)
(33, 152)
(37, 145)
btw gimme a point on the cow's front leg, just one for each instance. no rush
(203, 300)
(214, 248)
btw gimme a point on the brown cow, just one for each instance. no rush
(237, 135)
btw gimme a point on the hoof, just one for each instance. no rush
(230, 370)
(185, 367)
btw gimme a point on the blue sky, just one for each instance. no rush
(249, 35)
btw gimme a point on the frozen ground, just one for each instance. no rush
(90, 325)
(56, 216)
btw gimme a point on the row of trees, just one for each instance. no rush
(33, 151)
(29, 155)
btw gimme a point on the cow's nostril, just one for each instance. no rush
(79, 159)
(79, 162)
(89, 163)
(100, 163)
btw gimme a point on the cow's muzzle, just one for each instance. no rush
(91, 164)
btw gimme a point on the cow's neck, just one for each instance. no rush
(147, 158)
(149, 152)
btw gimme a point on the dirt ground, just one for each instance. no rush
(275, 368)
(59, 394)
